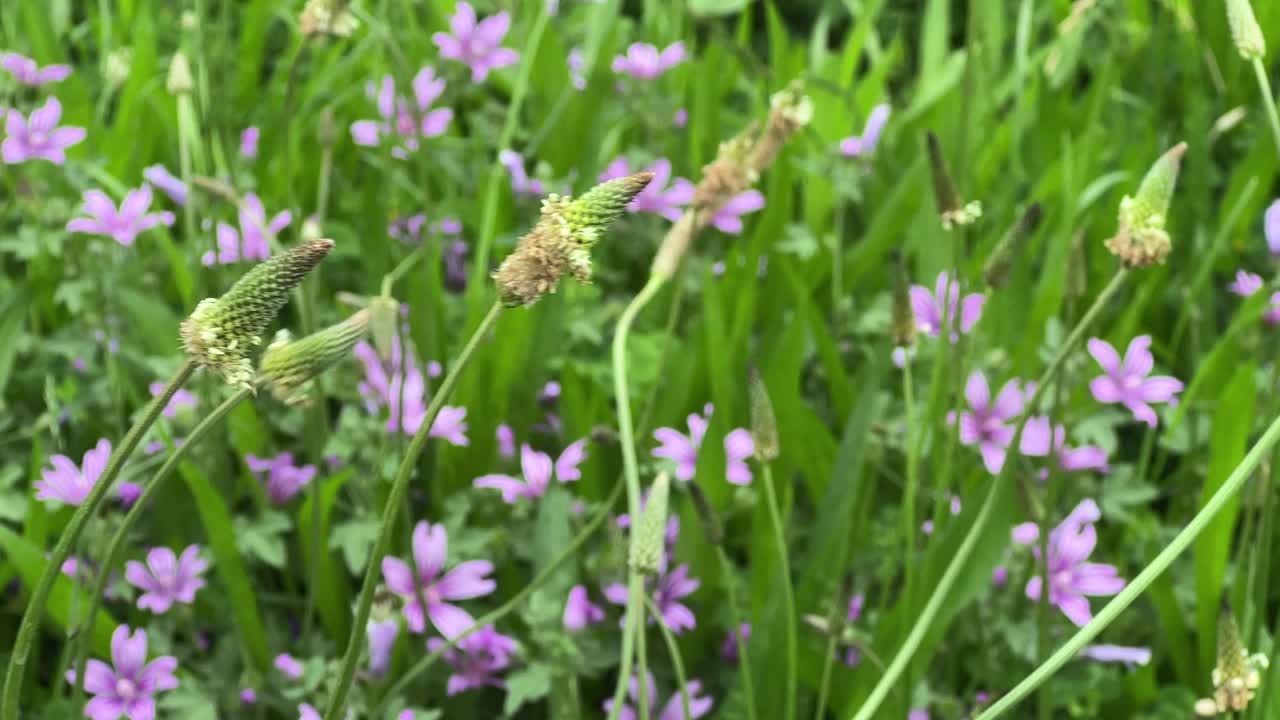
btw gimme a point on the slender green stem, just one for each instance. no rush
(1042, 606)
(676, 661)
(788, 595)
(837, 271)
(954, 568)
(631, 473)
(493, 616)
(835, 629)
(40, 595)
(1139, 584)
(913, 480)
(395, 498)
(139, 507)
(1268, 100)
(744, 658)
(642, 661)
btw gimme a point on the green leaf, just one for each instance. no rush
(717, 8)
(355, 538)
(260, 537)
(528, 685)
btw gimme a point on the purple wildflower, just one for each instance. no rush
(550, 393)
(918, 714)
(455, 266)
(399, 120)
(248, 696)
(477, 44)
(69, 484)
(987, 425)
(728, 218)
(252, 242)
(537, 469)
(408, 229)
(1246, 283)
(160, 176)
(645, 62)
(1272, 315)
(307, 712)
(128, 493)
(26, 71)
(288, 665)
(128, 689)
(683, 449)
(448, 226)
(476, 659)
(1000, 576)
(579, 611)
(381, 388)
(656, 197)
(1038, 441)
(521, 184)
(729, 648)
(1071, 579)
(671, 586)
(1127, 383)
(738, 446)
(283, 479)
(181, 398)
(382, 640)
(1271, 223)
(249, 142)
(577, 68)
(167, 578)
(123, 225)
(699, 705)
(506, 441)
(1117, 654)
(928, 307)
(466, 581)
(865, 144)
(38, 137)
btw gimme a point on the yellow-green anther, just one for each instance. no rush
(649, 541)
(221, 332)
(561, 241)
(1245, 31)
(288, 364)
(764, 426)
(1140, 237)
(1010, 247)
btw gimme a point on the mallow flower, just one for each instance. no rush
(538, 469)
(1128, 382)
(465, 581)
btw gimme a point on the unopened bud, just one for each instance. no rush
(764, 426)
(1140, 237)
(289, 364)
(1010, 247)
(648, 541)
(561, 242)
(220, 333)
(707, 514)
(1245, 31)
(903, 329)
(179, 82)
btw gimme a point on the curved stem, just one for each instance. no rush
(131, 518)
(395, 498)
(788, 596)
(744, 659)
(674, 650)
(514, 602)
(949, 576)
(631, 473)
(1268, 100)
(1139, 584)
(40, 595)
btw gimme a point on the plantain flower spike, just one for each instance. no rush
(903, 319)
(996, 271)
(1140, 238)
(562, 239)
(1237, 674)
(1245, 31)
(221, 332)
(764, 425)
(288, 364)
(179, 81)
(951, 208)
(649, 541)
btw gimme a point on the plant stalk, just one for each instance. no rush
(744, 659)
(676, 661)
(1268, 100)
(390, 514)
(788, 596)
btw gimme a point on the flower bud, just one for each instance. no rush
(179, 81)
(951, 208)
(1010, 247)
(289, 364)
(1245, 31)
(1140, 237)
(903, 329)
(764, 426)
(648, 541)
(561, 241)
(220, 332)
(1235, 677)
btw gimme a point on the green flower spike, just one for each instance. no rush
(221, 332)
(996, 271)
(649, 541)
(1245, 31)
(1236, 676)
(764, 425)
(562, 240)
(289, 364)
(1140, 238)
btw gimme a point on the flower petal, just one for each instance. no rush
(1107, 357)
(467, 581)
(430, 546)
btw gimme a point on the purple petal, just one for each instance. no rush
(977, 392)
(1142, 412)
(1117, 653)
(1097, 579)
(398, 575)
(1037, 437)
(1271, 222)
(1161, 388)
(992, 457)
(1076, 608)
(925, 308)
(1107, 357)
(971, 311)
(1105, 390)
(569, 460)
(450, 620)
(1009, 402)
(98, 678)
(365, 132)
(1088, 457)
(738, 445)
(430, 546)
(672, 55)
(1025, 533)
(467, 581)
(512, 488)
(436, 122)
(104, 707)
(1137, 358)
(128, 652)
